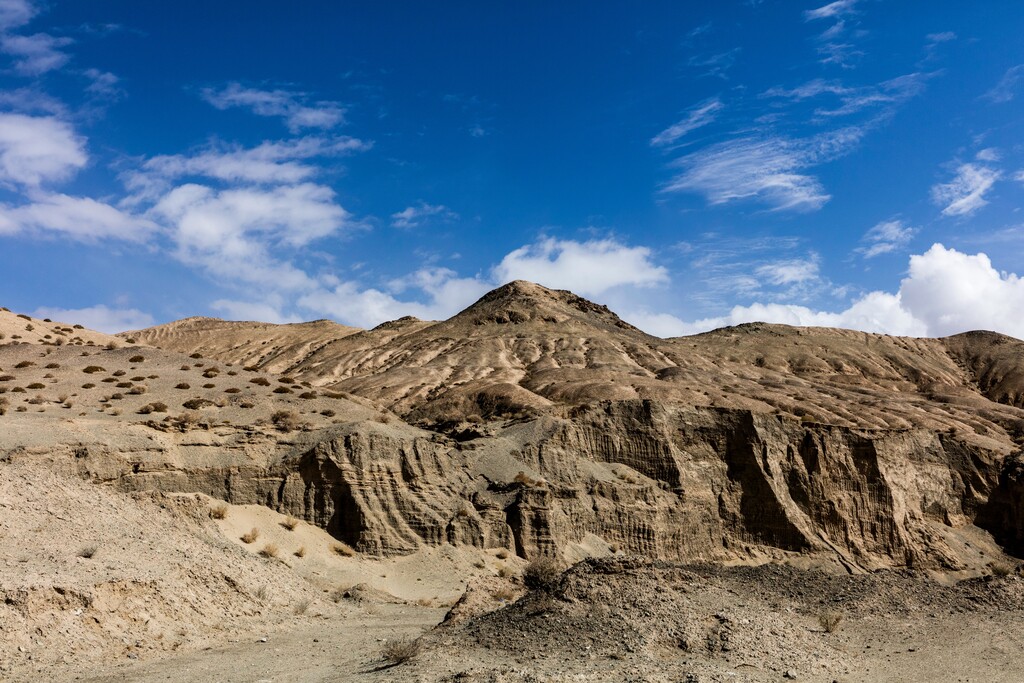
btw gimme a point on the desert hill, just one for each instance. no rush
(22, 328)
(527, 350)
(421, 456)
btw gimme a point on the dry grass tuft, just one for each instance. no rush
(301, 552)
(89, 551)
(251, 536)
(290, 523)
(400, 650)
(270, 550)
(829, 620)
(219, 511)
(342, 549)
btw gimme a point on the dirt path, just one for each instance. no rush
(314, 651)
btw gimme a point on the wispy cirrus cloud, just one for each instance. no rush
(414, 216)
(1006, 89)
(770, 169)
(886, 237)
(885, 96)
(965, 193)
(831, 10)
(290, 106)
(697, 116)
(270, 162)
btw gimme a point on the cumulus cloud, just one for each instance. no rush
(945, 292)
(36, 149)
(15, 13)
(413, 216)
(36, 54)
(965, 193)
(886, 237)
(287, 105)
(587, 268)
(101, 318)
(236, 233)
(697, 116)
(77, 218)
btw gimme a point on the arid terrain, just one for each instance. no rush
(234, 501)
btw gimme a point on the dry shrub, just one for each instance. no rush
(89, 551)
(182, 385)
(269, 551)
(137, 359)
(1000, 568)
(24, 364)
(286, 420)
(251, 536)
(307, 395)
(328, 413)
(542, 573)
(301, 552)
(501, 554)
(282, 390)
(504, 593)
(400, 650)
(219, 511)
(829, 620)
(342, 549)
(302, 606)
(290, 523)
(92, 369)
(119, 373)
(260, 381)
(524, 479)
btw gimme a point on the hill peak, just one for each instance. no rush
(522, 301)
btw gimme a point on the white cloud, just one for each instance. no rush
(789, 272)
(413, 216)
(833, 9)
(990, 154)
(1006, 89)
(945, 292)
(15, 13)
(268, 311)
(697, 116)
(78, 218)
(278, 103)
(235, 233)
(268, 163)
(587, 268)
(445, 295)
(36, 54)
(102, 83)
(886, 237)
(767, 170)
(100, 318)
(34, 149)
(965, 194)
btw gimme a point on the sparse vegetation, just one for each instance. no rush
(301, 552)
(136, 359)
(290, 523)
(251, 535)
(24, 364)
(400, 650)
(286, 420)
(282, 390)
(342, 549)
(829, 620)
(542, 573)
(88, 551)
(93, 369)
(182, 385)
(260, 381)
(219, 511)
(269, 551)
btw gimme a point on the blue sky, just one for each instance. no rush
(854, 164)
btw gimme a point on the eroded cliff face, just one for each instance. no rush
(638, 476)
